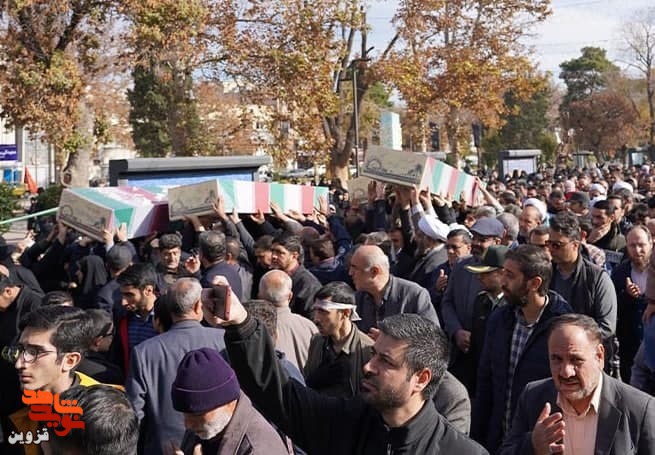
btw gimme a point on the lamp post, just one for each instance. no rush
(356, 117)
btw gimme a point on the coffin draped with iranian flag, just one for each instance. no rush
(93, 210)
(246, 197)
(407, 168)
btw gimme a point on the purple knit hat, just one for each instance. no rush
(204, 382)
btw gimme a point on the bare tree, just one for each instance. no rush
(639, 37)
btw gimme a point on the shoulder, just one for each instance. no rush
(538, 390)
(401, 285)
(633, 399)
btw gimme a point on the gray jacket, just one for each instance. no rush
(626, 419)
(452, 401)
(153, 367)
(247, 433)
(400, 296)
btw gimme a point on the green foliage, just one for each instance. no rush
(524, 126)
(49, 198)
(547, 143)
(586, 75)
(379, 95)
(8, 203)
(149, 113)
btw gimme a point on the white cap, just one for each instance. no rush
(622, 185)
(597, 187)
(537, 204)
(433, 227)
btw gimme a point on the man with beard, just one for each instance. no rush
(587, 287)
(459, 300)
(629, 280)
(218, 417)
(580, 410)
(394, 412)
(339, 352)
(171, 267)
(514, 351)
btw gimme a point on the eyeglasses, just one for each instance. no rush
(454, 247)
(481, 238)
(555, 245)
(29, 354)
(107, 331)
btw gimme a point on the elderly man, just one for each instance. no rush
(153, 363)
(530, 218)
(338, 354)
(218, 417)
(580, 410)
(294, 332)
(394, 413)
(629, 280)
(380, 294)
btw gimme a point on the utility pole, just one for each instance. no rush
(356, 118)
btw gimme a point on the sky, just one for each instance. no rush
(573, 25)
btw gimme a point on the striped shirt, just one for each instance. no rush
(139, 328)
(520, 336)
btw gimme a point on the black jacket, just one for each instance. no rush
(304, 286)
(327, 425)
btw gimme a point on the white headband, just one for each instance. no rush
(328, 305)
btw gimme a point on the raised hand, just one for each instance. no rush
(258, 217)
(548, 430)
(442, 281)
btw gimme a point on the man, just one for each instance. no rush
(629, 280)
(539, 237)
(394, 413)
(52, 343)
(233, 257)
(380, 294)
(586, 286)
(212, 253)
(580, 409)
(110, 424)
(578, 204)
(489, 273)
(134, 323)
(458, 247)
(458, 302)
(325, 265)
(294, 332)
(96, 363)
(117, 260)
(529, 219)
(286, 255)
(514, 351)
(430, 237)
(170, 266)
(606, 233)
(340, 351)
(154, 361)
(15, 302)
(510, 223)
(218, 417)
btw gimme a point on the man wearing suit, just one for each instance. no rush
(154, 362)
(580, 410)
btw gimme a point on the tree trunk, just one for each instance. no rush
(75, 173)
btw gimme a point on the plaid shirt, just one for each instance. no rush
(520, 336)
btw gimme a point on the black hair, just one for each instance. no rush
(567, 224)
(337, 291)
(322, 248)
(138, 276)
(265, 242)
(463, 233)
(101, 321)
(163, 311)
(111, 426)
(606, 206)
(57, 298)
(170, 241)
(212, 246)
(427, 346)
(533, 262)
(290, 242)
(72, 328)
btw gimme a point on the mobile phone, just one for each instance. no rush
(220, 299)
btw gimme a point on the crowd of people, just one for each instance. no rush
(405, 323)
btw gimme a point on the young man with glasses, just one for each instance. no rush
(52, 343)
